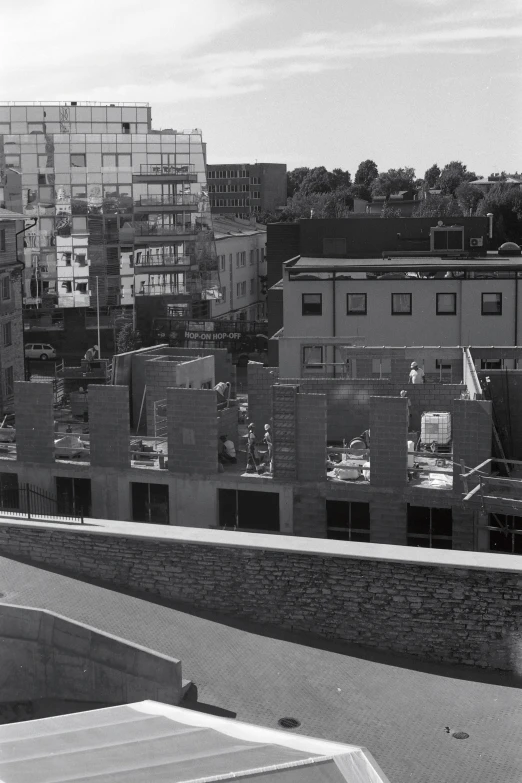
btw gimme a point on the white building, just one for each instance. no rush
(241, 252)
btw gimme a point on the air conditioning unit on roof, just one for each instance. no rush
(476, 242)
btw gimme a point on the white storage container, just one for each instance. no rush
(436, 428)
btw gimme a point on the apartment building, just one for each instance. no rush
(11, 327)
(242, 189)
(240, 250)
(122, 208)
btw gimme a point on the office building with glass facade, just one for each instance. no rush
(123, 210)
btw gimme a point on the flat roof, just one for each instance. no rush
(6, 214)
(404, 263)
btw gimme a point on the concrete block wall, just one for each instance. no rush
(109, 424)
(472, 437)
(309, 513)
(284, 431)
(452, 607)
(388, 518)
(160, 374)
(260, 379)
(388, 442)
(192, 430)
(34, 422)
(311, 437)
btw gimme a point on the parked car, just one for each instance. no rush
(42, 351)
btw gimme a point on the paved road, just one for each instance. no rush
(397, 711)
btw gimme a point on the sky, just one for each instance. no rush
(301, 82)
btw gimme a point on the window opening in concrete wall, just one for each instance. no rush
(248, 509)
(9, 498)
(505, 533)
(312, 304)
(348, 521)
(356, 304)
(491, 304)
(150, 503)
(401, 304)
(430, 527)
(73, 495)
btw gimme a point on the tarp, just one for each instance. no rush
(157, 743)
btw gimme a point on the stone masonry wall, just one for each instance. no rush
(437, 612)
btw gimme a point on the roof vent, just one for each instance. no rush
(509, 249)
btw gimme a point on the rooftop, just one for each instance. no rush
(6, 214)
(73, 103)
(404, 263)
(338, 692)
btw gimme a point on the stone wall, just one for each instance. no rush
(441, 606)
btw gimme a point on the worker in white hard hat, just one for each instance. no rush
(416, 373)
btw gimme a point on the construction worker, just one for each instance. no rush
(251, 450)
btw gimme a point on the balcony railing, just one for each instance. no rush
(162, 289)
(170, 169)
(163, 260)
(177, 200)
(152, 229)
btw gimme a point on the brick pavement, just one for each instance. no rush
(398, 713)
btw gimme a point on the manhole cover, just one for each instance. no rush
(460, 735)
(288, 723)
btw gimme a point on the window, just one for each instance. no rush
(430, 527)
(7, 337)
(116, 161)
(446, 304)
(81, 288)
(223, 293)
(79, 225)
(222, 262)
(355, 304)
(401, 304)
(447, 239)
(125, 127)
(312, 357)
(6, 287)
(8, 382)
(150, 503)
(334, 246)
(66, 287)
(252, 256)
(248, 509)
(237, 260)
(252, 284)
(73, 495)
(243, 259)
(312, 304)
(78, 160)
(243, 288)
(381, 367)
(2, 240)
(347, 521)
(67, 257)
(238, 289)
(491, 304)
(505, 534)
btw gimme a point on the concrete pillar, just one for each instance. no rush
(388, 442)
(472, 429)
(109, 425)
(34, 422)
(192, 424)
(311, 437)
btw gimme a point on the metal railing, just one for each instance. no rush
(162, 260)
(152, 229)
(159, 289)
(171, 169)
(70, 105)
(32, 502)
(177, 200)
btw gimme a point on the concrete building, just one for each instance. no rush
(11, 327)
(240, 250)
(123, 210)
(242, 189)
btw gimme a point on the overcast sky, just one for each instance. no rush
(301, 82)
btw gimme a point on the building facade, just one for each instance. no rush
(242, 189)
(122, 209)
(11, 326)
(240, 249)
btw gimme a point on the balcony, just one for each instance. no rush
(149, 230)
(167, 172)
(166, 203)
(168, 289)
(146, 263)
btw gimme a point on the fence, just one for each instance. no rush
(32, 502)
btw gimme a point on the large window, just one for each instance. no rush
(447, 239)
(348, 521)
(505, 534)
(491, 304)
(401, 304)
(249, 509)
(430, 527)
(78, 160)
(73, 495)
(355, 304)
(312, 357)
(150, 503)
(7, 335)
(446, 304)
(312, 304)
(6, 287)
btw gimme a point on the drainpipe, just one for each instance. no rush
(334, 334)
(516, 308)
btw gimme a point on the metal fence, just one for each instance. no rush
(31, 502)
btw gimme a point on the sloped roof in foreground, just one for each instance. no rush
(151, 742)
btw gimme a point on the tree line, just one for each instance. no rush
(443, 193)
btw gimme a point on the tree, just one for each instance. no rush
(128, 339)
(366, 173)
(294, 179)
(391, 181)
(438, 207)
(468, 196)
(303, 204)
(320, 180)
(452, 175)
(431, 176)
(504, 201)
